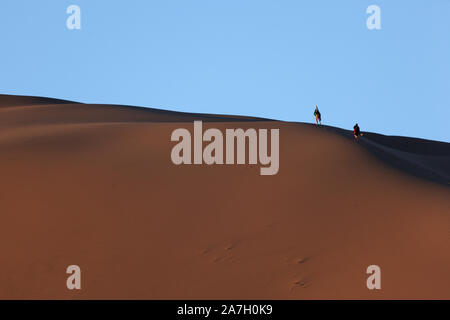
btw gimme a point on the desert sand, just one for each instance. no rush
(93, 185)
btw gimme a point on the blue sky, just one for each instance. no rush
(273, 59)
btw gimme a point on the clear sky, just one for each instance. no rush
(273, 59)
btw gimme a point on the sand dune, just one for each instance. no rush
(422, 158)
(94, 185)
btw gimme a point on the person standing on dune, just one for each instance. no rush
(356, 132)
(318, 116)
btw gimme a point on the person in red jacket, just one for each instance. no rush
(356, 132)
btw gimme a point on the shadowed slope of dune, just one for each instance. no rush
(422, 158)
(95, 186)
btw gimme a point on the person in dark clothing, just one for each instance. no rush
(356, 132)
(318, 116)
